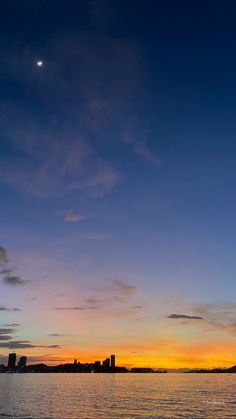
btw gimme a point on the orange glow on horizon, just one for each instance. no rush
(202, 355)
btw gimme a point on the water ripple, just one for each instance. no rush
(114, 396)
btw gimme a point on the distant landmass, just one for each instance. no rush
(107, 366)
(214, 370)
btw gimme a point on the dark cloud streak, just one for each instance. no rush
(184, 316)
(77, 308)
(24, 344)
(15, 281)
(4, 331)
(3, 308)
(7, 273)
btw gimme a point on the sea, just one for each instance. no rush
(105, 396)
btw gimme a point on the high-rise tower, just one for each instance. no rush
(11, 362)
(113, 361)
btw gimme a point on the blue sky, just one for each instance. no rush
(117, 176)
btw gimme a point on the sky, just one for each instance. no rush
(117, 181)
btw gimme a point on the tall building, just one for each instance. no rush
(113, 361)
(106, 363)
(22, 362)
(11, 362)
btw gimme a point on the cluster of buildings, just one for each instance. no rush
(108, 365)
(12, 366)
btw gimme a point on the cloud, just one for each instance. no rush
(72, 217)
(95, 301)
(219, 316)
(12, 324)
(124, 288)
(6, 272)
(62, 165)
(143, 150)
(56, 334)
(6, 331)
(116, 292)
(97, 184)
(215, 309)
(15, 281)
(57, 152)
(5, 334)
(25, 344)
(184, 316)
(140, 147)
(77, 308)
(3, 256)
(3, 308)
(115, 299)
(214, 317)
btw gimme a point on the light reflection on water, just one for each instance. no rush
(94, 396)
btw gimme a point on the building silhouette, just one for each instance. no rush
(22, 362)
(113, 361)
(97, 364)
(107, 366)
(106, 363)
(11, 362)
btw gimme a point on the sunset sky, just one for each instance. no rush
(117, 181)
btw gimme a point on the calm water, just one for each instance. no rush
(93, 396)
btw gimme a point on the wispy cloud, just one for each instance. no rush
(60, 166)
(99, 182)
(77, 308)
(60, 155)
(15, 281)
(116, 299)
(123, 288)
(213, 317)
(12, 324)
(4, 331)
(24, 344)
(5, 334)
(73, 217)
(3, 256)
(116, 292)
(4, 308)
(218, 316)
(141, 147)
(7, 272)
(184, 316)
(55, 335)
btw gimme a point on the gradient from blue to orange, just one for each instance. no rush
(117, 181)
